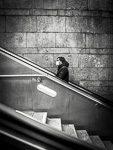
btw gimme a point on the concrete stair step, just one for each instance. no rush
(30, 113)
(97, 141)
(108, 145)
(55, 123)
(40, 116)
(83, 135)
(69, 129)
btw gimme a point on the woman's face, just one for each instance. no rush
(58, 62)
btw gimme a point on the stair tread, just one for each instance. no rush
(97, 141)
(69, 129)
(30, 113)
(83, 135)
(55, 123)
(40, 116)
(108, 145)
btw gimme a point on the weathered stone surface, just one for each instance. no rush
(94, 83)
(2, 24)
(52, 12)
(21, 24)
(110, 74)
(38, 12)
(40, 40)
(44, 60)
(85, 74)
(70, 40)
(111, 25)
(100, 4)
(78, 4)
(79, 51)
(1, 3)
(76, 24)
(2, 12)
(100, 25)
(93, 60)
(18, 4)
(99, 41)
(54, 4)
(100, 51)
(65, 12)
(103, 73)
(20, 12)
(50, 24)
(38, 4)
(24, 50)
(13, 40)
(43, 12)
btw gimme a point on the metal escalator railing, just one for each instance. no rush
(52, 77)
(20, 132)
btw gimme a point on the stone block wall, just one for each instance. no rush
(79, 30)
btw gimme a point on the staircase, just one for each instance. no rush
(68, 129)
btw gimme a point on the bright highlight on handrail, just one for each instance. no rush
(22, 75)
(46, 90)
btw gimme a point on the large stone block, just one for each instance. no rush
(103, 73)
(2, 24)
(99, 25)
(21, 24)
(110, 61)
(54, 4)
(65, 12)
(85, 74)
(70, 40)
(101, 51)
(110, 74)
(99, 41)
(94, 83)
(13, 39)
(1, 3)
(93, 60)
(44, 60)
(76, 4)
(100, 4)
(53, 50)
(13, 12)
(38, 12)
(88, 24)
(76, 24)
(18, 4)
(40, 40)
(50, 24)
(43, 12)
(111, 23)
(38, 4)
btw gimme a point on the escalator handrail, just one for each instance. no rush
(52, 76)
(10, 120)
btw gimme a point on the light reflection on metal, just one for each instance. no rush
(22, 75)
(46, 90)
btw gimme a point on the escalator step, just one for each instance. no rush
(40, 116)
(97, 141)
(108, 145)
(55, 123)
(69, 129)
(83, 135)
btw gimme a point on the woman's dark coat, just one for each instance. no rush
(63, 72)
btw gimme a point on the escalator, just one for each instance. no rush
(25, 86)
